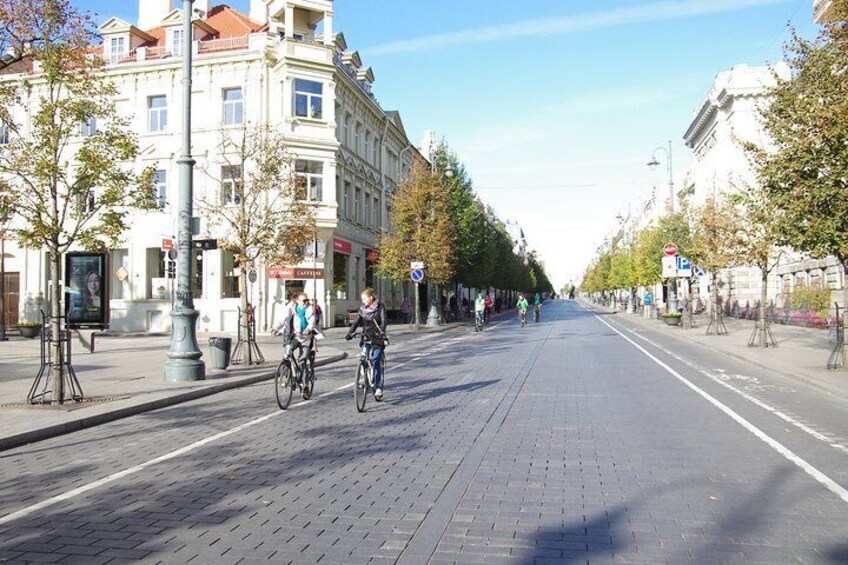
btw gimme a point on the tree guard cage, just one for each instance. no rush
(762, 336)
(717, 319)
(43, 387)
(247, 351)
(836, 359)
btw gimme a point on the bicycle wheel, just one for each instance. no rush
(360, 389)
(308, 381)
(284, 385)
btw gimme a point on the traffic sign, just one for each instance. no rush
(670, 249)
(416, 265)
(684, 267)
(172, 254)
(251, 276)
(669, 267)
(699, 271)
(417, 275)
(167, 244)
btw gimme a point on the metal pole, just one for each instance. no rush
(417, 308)
(3, 287)
(184, 363)
(672, 299)
(315, 270)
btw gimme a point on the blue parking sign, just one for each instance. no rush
(417, 275)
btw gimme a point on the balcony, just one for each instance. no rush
(251, 42)
(822, 10)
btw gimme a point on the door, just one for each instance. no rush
(12, 298)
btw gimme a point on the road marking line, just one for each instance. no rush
(767, 407)
(823, 479)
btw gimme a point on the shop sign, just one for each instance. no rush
(88, 292)
(342, 246)
(291, 273)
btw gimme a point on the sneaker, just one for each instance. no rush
(378, 394)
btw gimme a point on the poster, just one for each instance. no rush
(86, 285)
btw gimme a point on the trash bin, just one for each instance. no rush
(219, 349)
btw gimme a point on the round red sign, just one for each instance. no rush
(670, 249)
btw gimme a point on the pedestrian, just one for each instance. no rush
(406, 310)
(453, 305)
(498, 304)
(465, 310)
(648, 303)
(489, 306)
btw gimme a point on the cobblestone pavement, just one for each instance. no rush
(576, 440)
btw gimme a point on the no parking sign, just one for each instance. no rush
(417, 275)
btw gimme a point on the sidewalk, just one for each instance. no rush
(124, 377)
(801, 354)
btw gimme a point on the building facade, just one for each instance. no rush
(281, 66)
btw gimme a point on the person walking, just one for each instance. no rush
(648, 303)
(406, 310)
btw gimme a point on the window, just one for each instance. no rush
(357, 274)
(340, 262)
(89, 201)
(233, 106)
(308, 99)
(367, 218)
(229, 276)
(160, 189)
(197, 273)
(119, 286)
(346, 200)
(4, 133)
(365, 149)
(310, 177)
(177, 43)
(357, 206)
(347, 120)
(375, 159)
(157, 113)
(88, 127)
(158, 285)
(376, 210)
(231, 185)
(117, 49)
(357, 139)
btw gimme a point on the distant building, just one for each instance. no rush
(519, 241)
(822, 10)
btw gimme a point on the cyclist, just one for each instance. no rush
(480, 308)
(489, 306)
(537, 307)
(522, 306)
(298, 327)
(371, 316)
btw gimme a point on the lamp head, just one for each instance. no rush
(653, 163)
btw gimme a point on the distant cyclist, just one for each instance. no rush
(298, 327)
(522, 306)
(537, 307)
(480, 308)
(371, 317)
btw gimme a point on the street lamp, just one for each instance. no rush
(184, 363)
(433, 318)
(653, 164)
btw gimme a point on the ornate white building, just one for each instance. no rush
(281, 66)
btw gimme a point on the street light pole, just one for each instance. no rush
(672, 287)
(433, 318)
(184, 363)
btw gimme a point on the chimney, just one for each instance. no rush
(259, 11)
(152, 12)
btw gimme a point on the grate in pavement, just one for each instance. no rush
(69, 405)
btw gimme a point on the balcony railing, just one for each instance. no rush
(228, 44)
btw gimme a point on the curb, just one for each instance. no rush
(792, 375)
(33, 436)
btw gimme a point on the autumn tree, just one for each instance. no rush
(262, 204)
(69, 162)
(716, 243)
(420, 229)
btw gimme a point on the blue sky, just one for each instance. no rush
(554, 105)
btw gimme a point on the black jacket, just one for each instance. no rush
(373, 322)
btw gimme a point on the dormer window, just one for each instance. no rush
(177, 42)
(117, 49)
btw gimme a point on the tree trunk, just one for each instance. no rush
(243, 319)
(762, 340)
(58, 367)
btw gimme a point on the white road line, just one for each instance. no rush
(767, 407)
(826, 481)
(173, 454)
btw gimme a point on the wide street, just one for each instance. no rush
(580, 439)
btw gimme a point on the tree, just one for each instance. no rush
(716, 243)
(420, 229)
(804, 172)
(67, 190)
(261, 203)
(28, 27)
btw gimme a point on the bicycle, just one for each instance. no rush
(522, 315)
(478, 321)
(364, 382)
(286, 380)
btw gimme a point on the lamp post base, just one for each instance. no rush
(184, 363)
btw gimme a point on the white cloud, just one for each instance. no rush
(542, 27)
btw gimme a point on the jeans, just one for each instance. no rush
(376, 362)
